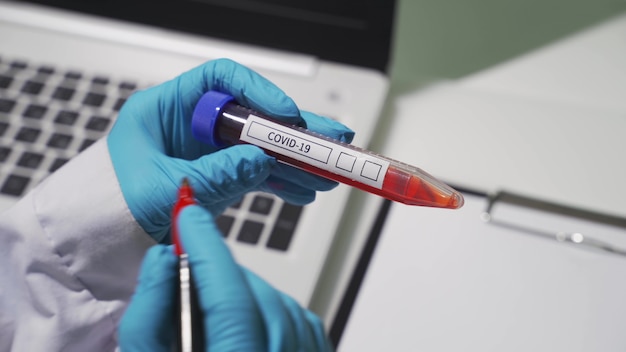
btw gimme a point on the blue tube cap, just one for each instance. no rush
(205, 115)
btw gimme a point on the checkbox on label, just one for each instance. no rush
(371, 170)
(346, 162)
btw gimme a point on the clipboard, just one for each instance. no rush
(450, 281)
(560, 222)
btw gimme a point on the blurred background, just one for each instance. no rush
(448, 39)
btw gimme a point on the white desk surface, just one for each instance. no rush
(551, 125)
(444, 281)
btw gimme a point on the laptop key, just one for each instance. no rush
(224, 223)
(6, 105)
(27, 134)
(118, 104)
(30, 160)
(237, 204)
(74, 75)
(4, 126)
(32, 87)
(94, 99)
(86, 143)
(19, 64)
(57, 163)
(4, 153)
(261, 205)
(101, 80)
(250, 232)
(46, 70)
(59, 140)
(285, 226)
(63, 93)
(98, 123)
(35, 111)
(5, 81)
(128, 85)
(15, 185)
(66, 117)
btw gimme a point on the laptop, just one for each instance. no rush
(67, 66)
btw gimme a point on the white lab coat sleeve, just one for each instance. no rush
(69, 257)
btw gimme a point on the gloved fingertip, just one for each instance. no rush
(200, 236)
(145, 325)
(251, 89)
(194, 213)
(280, 327)
(267, 98)
(290, 193)
(302, 327)
(319, 333)
(347, 137)
(280, 106)
(328, 127)
(226, 174)
(232, 171)
(326, 185)
(194, 218)
(159, 259)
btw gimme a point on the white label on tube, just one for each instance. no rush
(318, 152)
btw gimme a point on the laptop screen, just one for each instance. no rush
(356, 32)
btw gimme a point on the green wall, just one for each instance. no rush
(437, 39)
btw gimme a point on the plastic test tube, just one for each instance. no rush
(220, 121)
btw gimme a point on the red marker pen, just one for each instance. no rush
(185, 198)
(220, 121)
(190, 334)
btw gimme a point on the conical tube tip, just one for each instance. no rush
(456, 201)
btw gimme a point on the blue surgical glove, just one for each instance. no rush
(241, 311)
(152, 148)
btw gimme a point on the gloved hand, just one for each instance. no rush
(241, 311)
(152, 148)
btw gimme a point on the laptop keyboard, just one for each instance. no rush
(47, 116)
